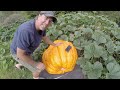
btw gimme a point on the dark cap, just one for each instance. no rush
(49, 14)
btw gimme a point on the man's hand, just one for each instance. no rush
(57, 44)
(48, 41)
(40, 66)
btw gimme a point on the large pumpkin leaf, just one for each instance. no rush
(98, 51)
(85, 42)
(98, 66)
(77, 43)
(57, 33)
(98, 37)
(88, 66)
(113, 76)
(87, 30)
(63, 37)
(77, 34)
(87, 33)
(89, 51)
(95, 74)
(93, 50)
(117, 43)
(116, 33)
(107, 37)
(104, 55)
(114, 71)
(82, 61)
(110, 59)
(113, 68)
(117, 48)
(96, 71)
(71, 28)
(71, 37)
(110, 46)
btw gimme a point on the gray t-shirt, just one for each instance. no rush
(27, 37)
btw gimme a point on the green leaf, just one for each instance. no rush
(110, 67)
(89, 51)
(104, 55)
(117, 48)
(117, 43)
(78, 61)
(88, 67)
(70, 28)
(77, 43)
(85, 43)
(98, 51)
(107, 37)
(64, 37)
(4, 65)
(71, 37)
(94, 74)
(77, 34)
(98, 37)
(57, 33)
(110, 59)
(93, 50)
(96, 71)
(116, 33)
(87, 30)
(110, 47)
(81, 61)
(113, 76)
(2, 51)
(113, 68)
(98, 66)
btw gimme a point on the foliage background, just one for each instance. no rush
(95, 34)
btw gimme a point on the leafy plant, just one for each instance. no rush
(96, 39)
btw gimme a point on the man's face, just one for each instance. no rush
(44, 22)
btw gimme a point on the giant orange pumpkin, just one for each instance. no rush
(58, 60)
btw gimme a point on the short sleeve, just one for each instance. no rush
(23, 40)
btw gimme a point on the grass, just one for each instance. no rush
(13, 73)
(7, 68)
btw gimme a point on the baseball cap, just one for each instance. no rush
(50, 14)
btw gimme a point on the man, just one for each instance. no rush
(28, 37)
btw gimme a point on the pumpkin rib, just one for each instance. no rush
(62, 68)
(57, 60)
(62, 55)
(53, 61)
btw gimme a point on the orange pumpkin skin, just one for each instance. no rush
(59, 61)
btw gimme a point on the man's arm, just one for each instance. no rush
(48, 41)
(21, 54)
